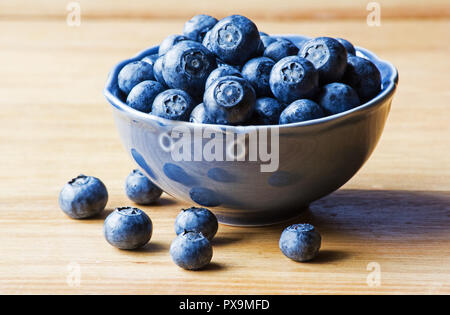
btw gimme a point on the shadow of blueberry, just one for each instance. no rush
(282, 179)
(220, 175)
(177, 174)
(204, 197)
(141, 162)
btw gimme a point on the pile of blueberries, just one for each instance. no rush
(227, 72)
(130, 228)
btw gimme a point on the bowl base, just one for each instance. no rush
(258, 221)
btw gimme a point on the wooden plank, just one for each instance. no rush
(55, 124)
(262, 9)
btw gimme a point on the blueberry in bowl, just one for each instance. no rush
(312, 135)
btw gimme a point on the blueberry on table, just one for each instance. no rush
(169, 42)
(199, 116)
(197, 220)
(133, 73)
(301, 110)
(157, 71)
(191, 250)
(328, 56)
(300, 242)
(348, 46)
(279, 49)
(140, 189)
(83, 197)
(197, 27)
(173, 104)
(364, 77)
(229, 100)
(335, 98)
(150, 59)
(142, 95)
(128, 228)
(187, 66)
(267, 111)
(257, 72)
(234, 39)
(221, 71)
(293, 78)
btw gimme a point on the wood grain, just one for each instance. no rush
(262, 9)
(56, 124)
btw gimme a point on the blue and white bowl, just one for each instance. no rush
(315, 157)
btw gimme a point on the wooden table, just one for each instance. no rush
(392, 217)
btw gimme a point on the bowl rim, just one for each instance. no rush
(361, 52)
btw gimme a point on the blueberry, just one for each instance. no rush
(142, 95)
(279, 49)
(337, 97)
(150, 59)
(173, 104)
(301, 110)
(300, 242)
(199, 116)
(257, 72)
(169, 42)
(263, 34)
(197, 220)
(140, 189)
(207, 40)
(221, 71)
(128, 228)
(187, 66)
(157, 71)
(229, 100)
(267, 111)
(234, 39)
(134, 73)
(191, 250)
(348, 46)
(260, 51)
(197, 27)
(267, 40)
(293, 78)
(83, 197)
(364, 77)
(328, 56)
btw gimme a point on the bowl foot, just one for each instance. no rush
(259, 219)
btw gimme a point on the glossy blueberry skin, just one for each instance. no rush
(300, 242)
(191, 250)
(134, 73)
(335, 98)
(169, 42)
(267, 40)
(348, 46)
(234, 39)
(142, 95)
(199, 116)
(222, 71)
(301, 110)
(83, 197)
(157, 71)
(187, 66)
(173, 104)
(150, 59)
(363, 76)
(279, 49)
(140, 189)
(229, 100)
(267, 111)
(128, 228)
(293, 78)
(328, 56)
(197, 220)
(257, 72)
(197, 27)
